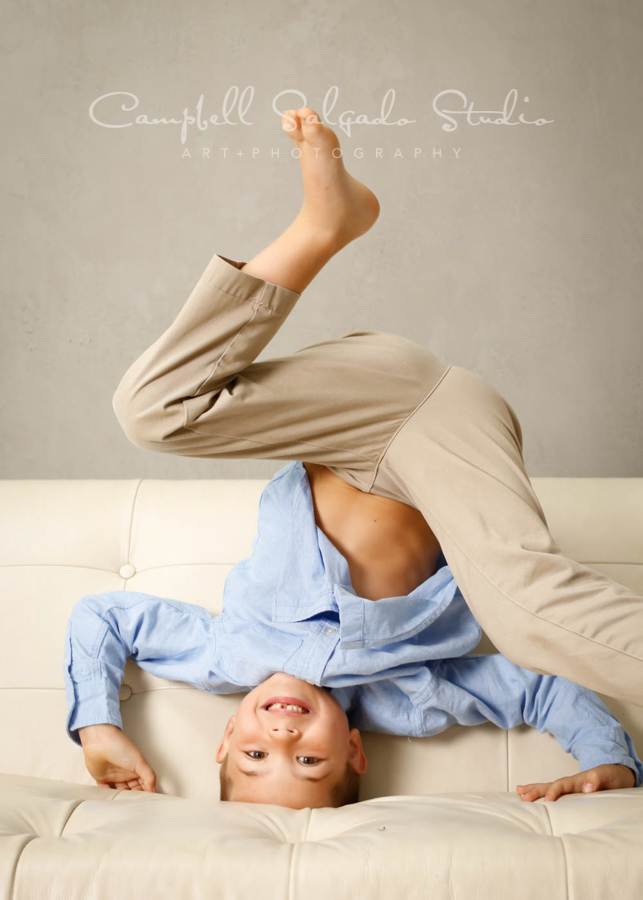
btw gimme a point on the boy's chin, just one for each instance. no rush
(286, 677)
(292, 683)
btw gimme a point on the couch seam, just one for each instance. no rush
(66, 822)
(583, 562)
(15, 868)
(310, 818)
(78, 566)
(295, 846)
(546, 808)
(560, 839)
(291, 870)
(131, 520)
(165, 687)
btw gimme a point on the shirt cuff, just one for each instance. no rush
(616, 756)
(93, 703)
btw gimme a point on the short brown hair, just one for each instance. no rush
(345, 792)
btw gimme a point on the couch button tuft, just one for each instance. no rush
(125, 692)
(127, 570)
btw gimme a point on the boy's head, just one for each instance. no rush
(306, 757)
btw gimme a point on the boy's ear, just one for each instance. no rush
(356, 755)
(223, 746)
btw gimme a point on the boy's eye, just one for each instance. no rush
(304, 760)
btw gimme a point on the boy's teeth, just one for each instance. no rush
(286, 706)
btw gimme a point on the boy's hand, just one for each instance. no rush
(607, 777)
(114, 761)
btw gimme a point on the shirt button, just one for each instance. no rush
(127, 570)
(329, 630)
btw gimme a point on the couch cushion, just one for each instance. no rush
(85, 842)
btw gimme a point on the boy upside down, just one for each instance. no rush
(404, 522)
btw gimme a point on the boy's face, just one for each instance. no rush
(273, 756)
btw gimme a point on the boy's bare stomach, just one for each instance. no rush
(388, 545)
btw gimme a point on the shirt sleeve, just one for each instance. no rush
(488, 687)
(169, 638)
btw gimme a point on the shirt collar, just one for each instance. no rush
(303, 589)
(315, 578)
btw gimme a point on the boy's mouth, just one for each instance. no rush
(287, 706)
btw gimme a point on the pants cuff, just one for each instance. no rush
(226, 275)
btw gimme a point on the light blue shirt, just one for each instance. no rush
(400, 665)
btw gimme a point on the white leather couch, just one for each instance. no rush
(439, 817)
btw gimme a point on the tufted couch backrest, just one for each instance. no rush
(60, 540)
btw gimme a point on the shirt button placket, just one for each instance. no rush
(321, 652)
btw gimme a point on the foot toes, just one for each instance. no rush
(308, 116)
(313, 129)
(291, 124)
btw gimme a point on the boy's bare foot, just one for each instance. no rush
(336, 205)
(337, 208)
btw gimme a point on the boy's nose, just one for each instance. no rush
(284, 731)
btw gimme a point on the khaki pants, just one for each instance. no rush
(392, 419)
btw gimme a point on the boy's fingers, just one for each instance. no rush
(550, 790)
(587, 782)
(146, 775)
(561, 786)
(523, 788)
(531, 791)
(591, 782)
(553, 792)
(570, 785)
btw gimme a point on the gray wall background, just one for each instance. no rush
(520, 260)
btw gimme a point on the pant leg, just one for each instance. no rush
(198, 391)
(458, 459)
